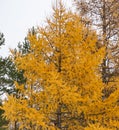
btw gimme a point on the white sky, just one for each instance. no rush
(17, 16)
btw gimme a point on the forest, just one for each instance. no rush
(65, 74)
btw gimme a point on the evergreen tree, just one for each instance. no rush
(8, 72)
(2, 121)
(8, 75)
(2, 39)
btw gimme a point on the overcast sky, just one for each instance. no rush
(17, 16)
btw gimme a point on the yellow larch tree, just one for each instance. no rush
(63, 88)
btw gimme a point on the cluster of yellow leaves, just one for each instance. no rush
(62, 77)
(97, 127)
(15, 111)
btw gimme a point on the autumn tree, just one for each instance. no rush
(104, 16)
(63, 89)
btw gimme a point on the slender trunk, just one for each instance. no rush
(59, 107)
(105, 65)
(59, 117)
(58, 28)
(104, 22)
(15, 125)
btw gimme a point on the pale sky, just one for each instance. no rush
(17, 16)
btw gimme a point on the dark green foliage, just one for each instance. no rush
(8, 70)
(2, 39)
(24, 48)
(3, 122)
(8, 75)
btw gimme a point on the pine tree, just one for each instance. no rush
(2, 39)
(8, 75)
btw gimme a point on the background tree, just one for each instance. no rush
(8, 75)
(2, 121)
(104, 16)
(2, 39)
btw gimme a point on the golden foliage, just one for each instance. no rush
(97, 127)
(64, 87)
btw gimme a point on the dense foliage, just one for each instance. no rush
(63, 88)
